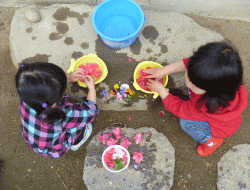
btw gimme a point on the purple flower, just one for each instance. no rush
(122, 90)
(105, 93)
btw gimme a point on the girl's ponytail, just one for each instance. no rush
(53, 115)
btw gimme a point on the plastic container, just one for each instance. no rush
(119, 147)
(90, 58)
(118, 22)
(144, 65)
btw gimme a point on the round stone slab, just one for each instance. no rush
(155, 171)
(234, 169)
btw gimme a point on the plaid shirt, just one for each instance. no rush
(54, 141)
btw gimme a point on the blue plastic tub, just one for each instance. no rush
(118, 22)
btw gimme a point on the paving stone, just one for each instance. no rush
(65, 32)
(234, 169)
(155, 171)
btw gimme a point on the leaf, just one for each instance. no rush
(118, 166)
(117, 161)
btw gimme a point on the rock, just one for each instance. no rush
(234, 169)
(163, 40)
(156, 170)
(33, 15)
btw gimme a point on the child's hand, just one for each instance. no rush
(76, 75)
(155, 86)
(90, 82)
(155, 73)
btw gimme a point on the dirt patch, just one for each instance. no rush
(24, 169)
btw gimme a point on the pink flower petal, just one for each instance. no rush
(129, 119)
(111, 142)
(103, 138)
(111, 164)
(125, 142)
(112, 150)
(138, 138)
(162, 113)
(108, 157)
(117, 132)
(137, 156)
(130, 60)
(149, 132)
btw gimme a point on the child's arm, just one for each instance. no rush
(175, 67)
(90, 82)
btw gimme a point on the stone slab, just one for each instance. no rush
(155, 171)
(234, 169)
(66, 32)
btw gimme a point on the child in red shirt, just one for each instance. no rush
(217, 95)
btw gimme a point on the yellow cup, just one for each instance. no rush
(144, 65)
(90, 58)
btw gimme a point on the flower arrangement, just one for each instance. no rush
(116, 159)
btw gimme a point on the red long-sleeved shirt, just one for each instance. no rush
(222, 124)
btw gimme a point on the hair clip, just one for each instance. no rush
(44, 105)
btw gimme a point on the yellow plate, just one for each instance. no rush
(90, 58)
(144, 65)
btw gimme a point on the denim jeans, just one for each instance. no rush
(199, 130)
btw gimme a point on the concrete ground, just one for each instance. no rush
(21, 168)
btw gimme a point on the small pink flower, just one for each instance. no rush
(162, 113)
(130, 60)
(110, 134)
(149, 132)
(129, 119)
(137, 156)
(111, 141)
(117, 132)
(118, 96)
(125, 142)
(108, 157)
(112, 150)
(111, 164)
(138, 138)
(103, 138)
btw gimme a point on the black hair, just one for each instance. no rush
(40, 83)
(217, 69)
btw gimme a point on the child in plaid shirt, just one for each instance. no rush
(52, 125)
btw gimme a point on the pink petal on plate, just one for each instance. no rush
(135, 166)
(108, 157)
(111, 164)
(162, 113)
(129, 119)
(137, 156)
(117, 132)
(130, 60)
(112, 150)
(111, 142)
(138, 138)
(125, 142)
(149, 132)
